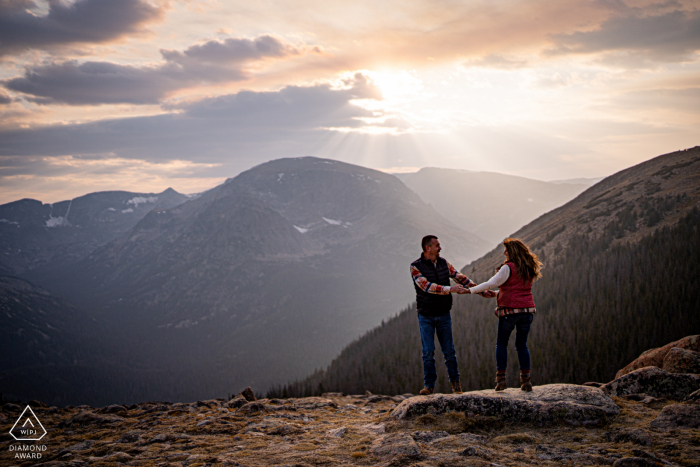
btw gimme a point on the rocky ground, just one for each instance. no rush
(353, 430)
(647, 416)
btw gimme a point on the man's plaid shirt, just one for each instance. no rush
(431, 287)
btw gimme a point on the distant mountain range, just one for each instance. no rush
(34, 234)
(258, 280)
(621, 275)
(476, 201)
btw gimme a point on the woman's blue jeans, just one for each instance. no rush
(521, 323)
(442, 326)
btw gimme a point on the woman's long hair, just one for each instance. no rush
(529, 265)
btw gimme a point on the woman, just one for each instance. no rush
(516, 307)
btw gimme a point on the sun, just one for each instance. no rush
(396, 86)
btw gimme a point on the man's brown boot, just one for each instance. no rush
(456, 387)
(501, 382)
(426, 391)
(525, 383)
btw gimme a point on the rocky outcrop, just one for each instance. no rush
(349, 430)
(682, 361)
(678, 416)
(545, 405)
(655, 357)
(654, 382)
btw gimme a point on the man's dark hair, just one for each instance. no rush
(426, 241)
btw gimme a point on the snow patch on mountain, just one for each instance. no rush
(141, 200)
(332, 221)
(301, 229)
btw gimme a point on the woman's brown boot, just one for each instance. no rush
(525, 383)
(501, 382)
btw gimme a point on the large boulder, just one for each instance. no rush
(655, 357)
(547, 404)
(654, 382)
(682, 361)
(677, 416)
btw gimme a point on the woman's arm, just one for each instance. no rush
(497, 280)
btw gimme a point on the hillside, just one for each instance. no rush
(260, 280)
(621, 275)
(35, 235)
(482, 195)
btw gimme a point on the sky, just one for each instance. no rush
(143, 95)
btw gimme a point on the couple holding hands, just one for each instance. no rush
(515, 309)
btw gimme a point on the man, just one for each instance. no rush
(431, 278)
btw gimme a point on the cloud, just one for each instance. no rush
(4, 98)
(94, 83)
(23, 27)
(284, 121)
(497, 61)
(685, 100)
(670, 37)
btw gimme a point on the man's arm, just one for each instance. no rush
(459, 277)
(431, 287)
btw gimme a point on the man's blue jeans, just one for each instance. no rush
(442, 326)
(521, 323)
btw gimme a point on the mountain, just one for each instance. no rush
(259, 280)
(33, 234)
(475, 200)
(621, 275)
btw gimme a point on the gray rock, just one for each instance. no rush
(252, 407)
(375, 428)
(338, 432)
(682, 361)
(655, 382)
(677, 416)
(429, 436)
(311, 403)
(395, 444)
(634, 462)
(547, 404)
(633, 435)
(236, 402)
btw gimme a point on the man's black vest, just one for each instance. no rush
(430, 304)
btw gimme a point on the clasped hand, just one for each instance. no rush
(462, 290)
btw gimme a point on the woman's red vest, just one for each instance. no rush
(515, 292)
